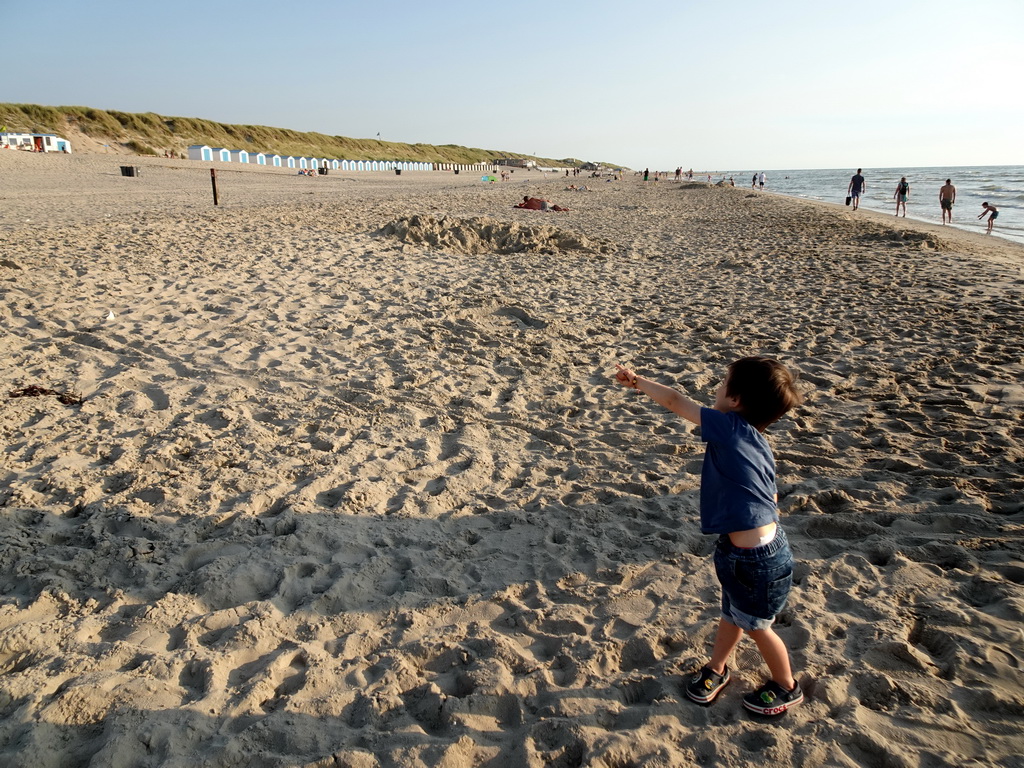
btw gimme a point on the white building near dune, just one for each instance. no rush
(35, 142)
(202, 152)
(239, 156)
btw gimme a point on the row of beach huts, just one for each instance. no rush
(48, 142)
(208, 154)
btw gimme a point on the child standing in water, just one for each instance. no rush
(738, 497)
(989, 209)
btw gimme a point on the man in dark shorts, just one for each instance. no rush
(947, 196)
(857, 185)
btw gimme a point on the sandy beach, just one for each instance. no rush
(350, 484)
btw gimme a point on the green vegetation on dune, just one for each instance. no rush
(148, 133)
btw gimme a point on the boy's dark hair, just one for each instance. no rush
(765, 388)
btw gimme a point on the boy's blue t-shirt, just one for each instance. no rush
(737, 485)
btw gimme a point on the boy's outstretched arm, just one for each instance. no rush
(662, 395)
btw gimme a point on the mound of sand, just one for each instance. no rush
(486, 235)
(896, 238)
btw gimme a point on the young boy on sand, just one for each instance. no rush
(989, 209)
(738, 497)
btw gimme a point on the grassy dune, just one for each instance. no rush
(148, 133)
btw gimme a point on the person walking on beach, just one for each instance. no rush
(901, 194)
(857, 186)
(947, 196)
(989, 209)
(753, 184)
(738, 495)
(647, 173)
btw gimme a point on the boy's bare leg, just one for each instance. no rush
(726, 640)
(775, 655)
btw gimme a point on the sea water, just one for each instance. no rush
(1000, 185)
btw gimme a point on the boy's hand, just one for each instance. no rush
(625, 376)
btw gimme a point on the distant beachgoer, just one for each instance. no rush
(857, 186)
(901, 194)
(647, 173)
(753, 183)
(679, 173)
(994, 214)
(947, 196)
(762, 179)
(731, 182)
(538, 204)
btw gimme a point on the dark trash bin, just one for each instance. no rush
(398, 171)
(130, 170)
(323, 170)
(456, 171)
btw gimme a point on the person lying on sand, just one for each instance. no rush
(538, 204)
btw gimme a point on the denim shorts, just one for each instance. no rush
(755, 582)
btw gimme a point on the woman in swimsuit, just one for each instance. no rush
(901, 195)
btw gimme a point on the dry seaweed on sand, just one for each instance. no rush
(67, 398)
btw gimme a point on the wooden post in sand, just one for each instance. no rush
(213, 180)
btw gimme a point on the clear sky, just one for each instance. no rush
(707, 84)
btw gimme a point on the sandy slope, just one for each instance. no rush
(336, 498)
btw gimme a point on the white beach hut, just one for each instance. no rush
(200, 152)
(275, 160)
(258, 159)
(224, 155)
(14, 140)
(335, 164)
(239, 156)
(290, 162)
